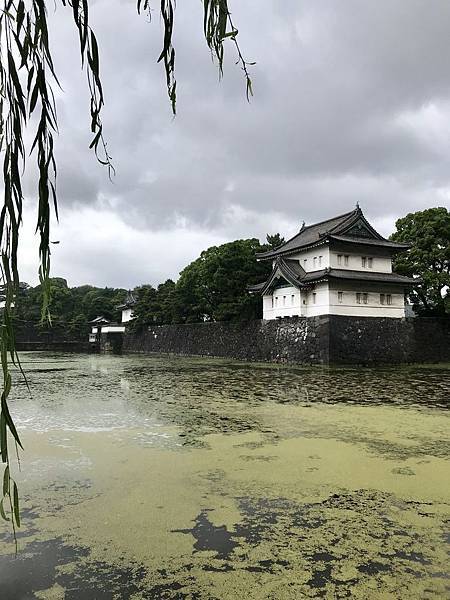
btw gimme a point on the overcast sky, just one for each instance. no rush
(352, 103)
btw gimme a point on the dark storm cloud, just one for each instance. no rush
(352, 103)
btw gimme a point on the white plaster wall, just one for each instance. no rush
(308, 255)
(113, 329)
(380, 264)
(127, 315)
(289, 309)
(327, 302)
(373, 308)
(322, 304)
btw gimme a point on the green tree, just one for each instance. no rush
(275, 240)
(146, 307)
(154, 306)
(428, 232)
(166, 302)
(214, 287)
(80, 304)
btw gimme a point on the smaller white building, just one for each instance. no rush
(127, 307)
(341, 266)
(101, 325)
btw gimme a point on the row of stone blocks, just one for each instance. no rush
(314, 340)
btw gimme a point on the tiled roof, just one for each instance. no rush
(310, 234)
(283, 268)
(98, 320)
(358, 276)
(129, 302)
(351, 227)
(257, 287)
(290, 270)
(369, 241)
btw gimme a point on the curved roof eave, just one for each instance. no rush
(281, 269)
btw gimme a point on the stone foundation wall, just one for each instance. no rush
(356, 340)
(315, 340)
(297, 340)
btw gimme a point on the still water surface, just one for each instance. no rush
(177, 478)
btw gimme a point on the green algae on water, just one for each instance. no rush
(178, 478)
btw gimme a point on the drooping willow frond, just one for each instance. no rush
(27, 80)
(218, 26)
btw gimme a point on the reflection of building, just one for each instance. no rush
(341, 266)
(127, 307)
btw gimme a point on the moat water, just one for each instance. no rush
(178, 478)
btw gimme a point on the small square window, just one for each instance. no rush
(382, 298)
(276, 300)
(315, 261)
(339, 259)
(346, 260)
(340, 297)
(388, 299)
(293, 299)
(358, 298)
(365, 298)
(284, 300)
(314, 297)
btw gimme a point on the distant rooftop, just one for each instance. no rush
(129, 302)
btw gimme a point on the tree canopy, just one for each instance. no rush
(214, 287)
(72, 308)
(428, 232)
(211, 288)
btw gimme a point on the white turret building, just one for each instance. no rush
(127, 307)
(341, 266)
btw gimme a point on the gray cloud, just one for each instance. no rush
(352, 103)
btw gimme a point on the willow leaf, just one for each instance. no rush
(16, 504)
(2, 511)
(6, 480)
